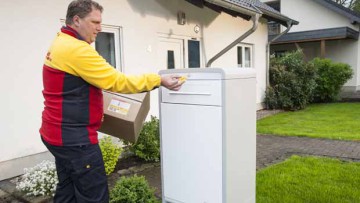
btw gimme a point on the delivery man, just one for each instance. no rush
(74, 75)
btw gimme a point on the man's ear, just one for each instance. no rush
(76, 21)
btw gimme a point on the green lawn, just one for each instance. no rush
(310, 180)
(334, 121)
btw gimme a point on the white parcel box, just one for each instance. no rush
(208, 137)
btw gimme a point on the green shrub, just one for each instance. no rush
(331, 77)
(147, 146)
(132, 190)
(39, 180)
(292, 82)
(110, 152)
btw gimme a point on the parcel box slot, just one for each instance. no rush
(190, 93)
(206, 92)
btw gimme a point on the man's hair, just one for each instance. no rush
(81, 8)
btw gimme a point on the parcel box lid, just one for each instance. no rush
(212, 73)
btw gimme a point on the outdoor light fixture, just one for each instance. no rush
(197, 29)
(181, 18)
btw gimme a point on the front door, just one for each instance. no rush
(170, 55)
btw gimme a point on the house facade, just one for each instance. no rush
(326, 30)
(138, 37)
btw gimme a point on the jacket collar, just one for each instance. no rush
(68, 30)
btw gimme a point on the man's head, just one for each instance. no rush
(84, 16)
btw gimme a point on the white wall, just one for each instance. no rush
(28, 29)
(30, 26)
(345, 51)
(357, 88)
(312, 15)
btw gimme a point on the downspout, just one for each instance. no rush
(289, 25)
(255, 18)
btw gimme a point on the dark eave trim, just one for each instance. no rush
(317, 35)
(283, 20)
(245, 9)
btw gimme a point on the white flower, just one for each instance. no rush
(39, 180)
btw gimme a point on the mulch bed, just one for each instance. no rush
(124, 163)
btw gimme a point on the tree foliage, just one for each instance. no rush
(351, 4)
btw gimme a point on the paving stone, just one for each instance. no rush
(7, 186)
(124, 172)
(3, 193)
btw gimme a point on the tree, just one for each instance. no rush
(356, 6)
(351, 4)
(342, 2)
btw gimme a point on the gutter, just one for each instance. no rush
(255, 16)
(235, 7)
(287, 21)
(289, 25)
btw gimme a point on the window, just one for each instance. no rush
(274, 28)
(279, 53)
(107, 44)
(194, 53)
(244, 56)
(170, 59)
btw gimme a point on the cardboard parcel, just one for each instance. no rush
(125, 114)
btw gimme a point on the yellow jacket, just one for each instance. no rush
(78, 58)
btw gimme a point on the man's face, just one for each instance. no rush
(89, 26)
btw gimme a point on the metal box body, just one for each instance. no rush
(208, 136)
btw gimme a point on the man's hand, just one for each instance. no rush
(171, 82)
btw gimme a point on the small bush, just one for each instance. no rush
(292, 82)
(147, 146)
(132, 190)
(110, 152)
(39, 180)
(331, 77)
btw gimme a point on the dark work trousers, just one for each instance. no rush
(81, 174)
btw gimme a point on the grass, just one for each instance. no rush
(333, 121)
(310, 180)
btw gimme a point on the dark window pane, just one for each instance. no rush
(239, 56)
(247, 57)
(273, 28)
(170, 59)
(194, 53)
(280, 53)
(105, 45)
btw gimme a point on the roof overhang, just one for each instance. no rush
(283, 20)
(228, 6)
(316, 35)
(244, 9)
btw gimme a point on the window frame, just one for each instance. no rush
(117, 31)
(243, 46)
